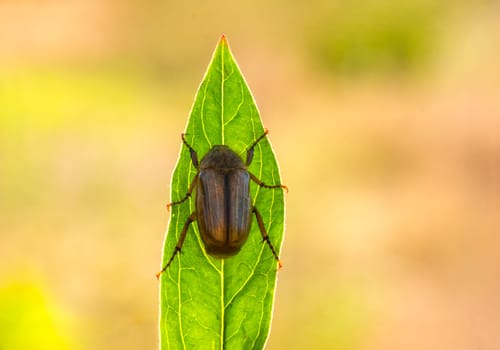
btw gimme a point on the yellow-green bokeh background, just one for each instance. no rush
(385, 118)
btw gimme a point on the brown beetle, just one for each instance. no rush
(223, 203)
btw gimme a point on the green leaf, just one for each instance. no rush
(206, 302)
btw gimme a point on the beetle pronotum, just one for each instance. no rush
(223, 203)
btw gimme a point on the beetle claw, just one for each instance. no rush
(280, 265)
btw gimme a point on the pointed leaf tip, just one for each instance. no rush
(223, 40)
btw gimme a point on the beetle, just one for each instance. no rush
(223, 207)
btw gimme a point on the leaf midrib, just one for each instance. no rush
(222, 310)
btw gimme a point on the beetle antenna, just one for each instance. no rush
(252, 146)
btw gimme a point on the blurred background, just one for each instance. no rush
(385, 118)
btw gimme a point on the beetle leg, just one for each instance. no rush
(261, 184)
(194, 155)
(188, 194)
(265, 236)
(252, 146)
(179, 244)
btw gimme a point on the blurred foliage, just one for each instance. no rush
(50, 98)
(28, 320)
(376, 35)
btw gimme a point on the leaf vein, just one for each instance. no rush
(261, 318)
(180, 304)
(244, 284)
(222, 321)
(222, 94)
(237, 108)
(202, 111)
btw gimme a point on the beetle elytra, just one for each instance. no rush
(223, 206)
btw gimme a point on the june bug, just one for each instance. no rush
(222, 200)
